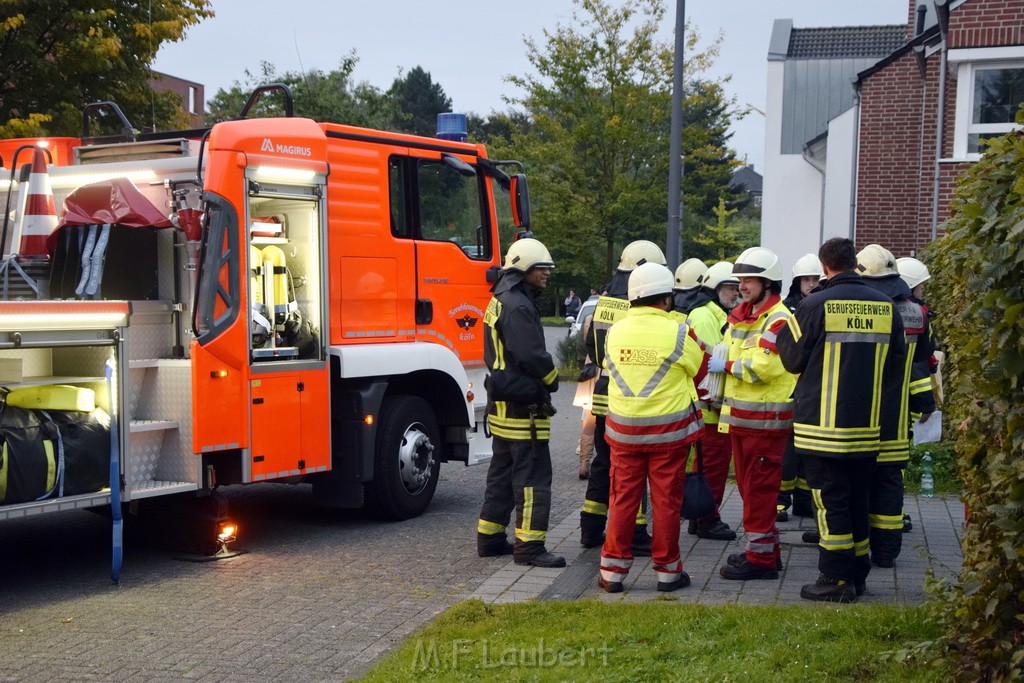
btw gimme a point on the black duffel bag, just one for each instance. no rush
(29, 456)
(86, 440)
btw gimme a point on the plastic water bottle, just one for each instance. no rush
(927, 480)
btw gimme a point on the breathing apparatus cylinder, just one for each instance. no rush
(276, 275)
(260, 326)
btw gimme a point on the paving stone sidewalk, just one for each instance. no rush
(934, 542)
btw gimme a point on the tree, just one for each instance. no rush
(57, 55)
(417, 101)
(719, 236)
(597, 149)
(321, 96)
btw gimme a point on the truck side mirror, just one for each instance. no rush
(519, 193)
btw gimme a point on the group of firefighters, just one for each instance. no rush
(811, 398)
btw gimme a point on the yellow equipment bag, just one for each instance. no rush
(53, 397)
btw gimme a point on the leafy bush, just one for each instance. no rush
(978, 289)
(571, 357)
(944, 468)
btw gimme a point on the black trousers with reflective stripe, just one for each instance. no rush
(793, 471)
(886, 509)
(598, 482)
(519, 478)
(842, 490)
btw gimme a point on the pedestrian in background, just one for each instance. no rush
(572, 304)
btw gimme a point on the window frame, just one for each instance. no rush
(969, 61)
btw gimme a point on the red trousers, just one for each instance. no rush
(717, 449)
(758, 460)
(665, 470)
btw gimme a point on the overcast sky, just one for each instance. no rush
(469, 46)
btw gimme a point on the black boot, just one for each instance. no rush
(746, 571)
(592, 530)
(737, 559)
(829, 589)
(641, 545)
(691, 527)
(811, 536)
(535, 554)
(492, 545)
(668, 586)
(715, 530)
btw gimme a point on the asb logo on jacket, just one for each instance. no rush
(639, 356)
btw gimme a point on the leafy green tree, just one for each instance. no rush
(330, 96)
(417, 100)
(57, 55)
(720, 236)
(599, 103)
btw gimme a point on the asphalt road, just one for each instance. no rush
(318, 595)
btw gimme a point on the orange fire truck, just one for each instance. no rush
(311, 313)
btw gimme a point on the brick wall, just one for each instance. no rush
(987, 23)
(896, 166)
(187, 91)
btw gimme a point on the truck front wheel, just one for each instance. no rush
(407, 459)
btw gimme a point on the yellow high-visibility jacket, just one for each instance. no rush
(758, 389)
(652, 360)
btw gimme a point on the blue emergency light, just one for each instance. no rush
(451, 126)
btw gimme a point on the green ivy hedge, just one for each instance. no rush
(977, 288)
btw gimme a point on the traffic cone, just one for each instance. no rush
(40, 217)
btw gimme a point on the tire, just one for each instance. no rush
(407, 459)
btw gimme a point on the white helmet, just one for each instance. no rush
(912, 271)
(639, 252)
(806, 265)
(719, 274)
(650, 279)
(876, 261)
(758, 262)
(527, 253)
(689, 273)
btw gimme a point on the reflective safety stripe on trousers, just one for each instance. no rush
(757, 415)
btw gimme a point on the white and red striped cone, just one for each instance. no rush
(40, 217)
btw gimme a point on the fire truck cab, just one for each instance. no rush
(310, 312)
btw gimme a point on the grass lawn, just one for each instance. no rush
(662, 641)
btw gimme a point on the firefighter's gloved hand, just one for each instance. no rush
(716, 364)
(553, 387)
(548, 410)
(589, 371)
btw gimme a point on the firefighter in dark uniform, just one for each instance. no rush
(522, 377)
(687, 294)
(806, 275)
(612, 306)
(847, 344)
(912, 394)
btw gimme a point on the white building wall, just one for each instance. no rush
(792, 201)
(839, 170)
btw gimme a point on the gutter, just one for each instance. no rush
(942, 13)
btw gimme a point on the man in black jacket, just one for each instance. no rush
(522, 377)
(846, 344)
(912, 394)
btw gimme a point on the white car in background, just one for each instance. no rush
(587, 309)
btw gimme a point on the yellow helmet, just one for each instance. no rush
(689, 273)
(650, 279)
(875, 261)
(912, 271)
(527, 253)
(640, 252)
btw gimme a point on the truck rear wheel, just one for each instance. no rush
(407, 459)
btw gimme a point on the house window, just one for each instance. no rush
(990, 90)
(997, 95)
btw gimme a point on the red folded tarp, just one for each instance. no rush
(110, 201)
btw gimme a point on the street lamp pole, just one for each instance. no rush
(673, 237)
